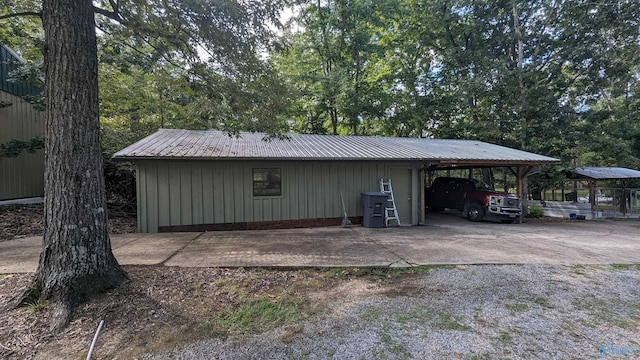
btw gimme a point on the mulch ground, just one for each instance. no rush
(19, 221)
(157, 309)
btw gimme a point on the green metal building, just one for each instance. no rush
(22, 176)
(207, 180)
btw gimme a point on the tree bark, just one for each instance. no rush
(76, 261)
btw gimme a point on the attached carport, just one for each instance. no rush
(471, 154)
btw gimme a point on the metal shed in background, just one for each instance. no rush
(22, 176)
(595, 192)
(617, 201)
(207, 180)
(602, 173)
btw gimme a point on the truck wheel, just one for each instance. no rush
(475, 212)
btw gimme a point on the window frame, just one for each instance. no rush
(271, 176)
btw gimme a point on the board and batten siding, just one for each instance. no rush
(22, 176)
(213, 192)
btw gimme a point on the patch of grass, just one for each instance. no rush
(258, 315)
(233, 287)
(624, 323)
(505, 337)
(2, 277)
(478, 357)
(385, 337)
(198, 288)
(371, 314)
(420, 314)
(597, 309)
(625, 267)
(517, 307)
(543, 302)
(535, 212)
(348, 271)
(258, 270)
(451, 322)
(601, 311)
(591, 305)
(579, 269)
(396, 349)
(378, 355)
(37, 305)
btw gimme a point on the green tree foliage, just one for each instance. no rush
(23, 34)
(555, 77)
(173, 64)
(15, 147)
(191, 64)
(337, 64)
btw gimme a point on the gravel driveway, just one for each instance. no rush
(463, 312)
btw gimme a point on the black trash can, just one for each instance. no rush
(374, 204)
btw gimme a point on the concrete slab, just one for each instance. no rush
(25, 201)
(455, 240)
(148, 249)
(447, 239)
(20, 255)
(318, 247)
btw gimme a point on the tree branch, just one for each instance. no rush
(114, 6)
(23, 13)
(113, 15)
(163, 55)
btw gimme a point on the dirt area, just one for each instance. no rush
(159, 308)
(18, 221)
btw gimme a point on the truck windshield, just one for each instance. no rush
(481, 185)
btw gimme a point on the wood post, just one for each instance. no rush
(422, 193)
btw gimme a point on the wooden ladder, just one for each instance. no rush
(390, 210)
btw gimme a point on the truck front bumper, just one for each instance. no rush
(503, 213)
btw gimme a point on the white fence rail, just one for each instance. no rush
(607, 202)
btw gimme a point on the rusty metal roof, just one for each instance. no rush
(210, 144)
(605, 173)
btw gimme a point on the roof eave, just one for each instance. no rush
(183, 158)
(505, 162)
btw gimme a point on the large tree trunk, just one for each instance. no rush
(76, 261)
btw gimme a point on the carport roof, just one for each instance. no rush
(457, 152)
(175, 144)
(603, 173)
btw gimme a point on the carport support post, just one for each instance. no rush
(519, 192)
(522, 186)
(422, 193)
(592, 198)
